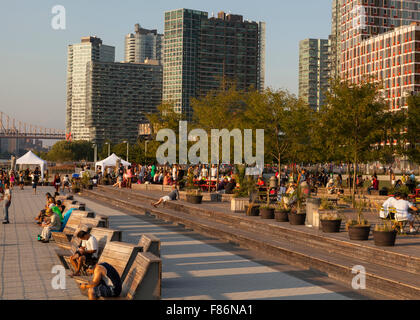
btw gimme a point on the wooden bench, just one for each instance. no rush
(144, 279)
(150, 243)
(120, 255)
(63, 198)
(102, 235)
(62, 239)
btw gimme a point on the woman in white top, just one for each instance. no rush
(402, 206)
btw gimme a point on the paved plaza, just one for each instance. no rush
(194, 266)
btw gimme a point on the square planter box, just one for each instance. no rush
(238, 204)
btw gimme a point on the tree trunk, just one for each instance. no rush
(353, 195)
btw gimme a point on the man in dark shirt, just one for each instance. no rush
(230, 186)
(174, 195)
(106, 282)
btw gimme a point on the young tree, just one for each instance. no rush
(286, 122)
(355, 121)
(412, 126)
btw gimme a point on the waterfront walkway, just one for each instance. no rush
(194, 266)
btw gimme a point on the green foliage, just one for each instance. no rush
(70, 151)
(386, 226)
(412, 124)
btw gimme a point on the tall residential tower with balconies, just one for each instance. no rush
(200, 51)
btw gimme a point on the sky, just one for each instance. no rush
(33, 56)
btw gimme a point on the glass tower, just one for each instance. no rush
(200, 51)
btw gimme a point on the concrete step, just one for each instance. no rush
(334, 243)
(384, 280)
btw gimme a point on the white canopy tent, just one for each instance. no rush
(111, 161)
(31, 158)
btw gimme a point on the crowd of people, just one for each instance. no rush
(106, 281)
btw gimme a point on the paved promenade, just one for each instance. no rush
(25, 263)
(194, 266)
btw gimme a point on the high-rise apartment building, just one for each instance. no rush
(335, 40)
(78, 56)
(201, 51)
(378, 40)
(143, 45)
(393, 59)
(314, 71)
(107, 100)
(119, 95)
(363, 19)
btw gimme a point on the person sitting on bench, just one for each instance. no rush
(106, 282)
(389, 203)
(87, 253)
(402, 206)
(52, 223)
(50, 202)
(174, 195)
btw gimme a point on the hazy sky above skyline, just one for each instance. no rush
(33, 56)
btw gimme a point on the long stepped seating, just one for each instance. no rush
(390, 272)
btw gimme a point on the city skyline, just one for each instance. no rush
(38, 64)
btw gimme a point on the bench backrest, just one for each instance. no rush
(73, 222)
(86, 214)
(103, 236)
(150, 243)
(63, 198)
(120, 255)
(144, 278)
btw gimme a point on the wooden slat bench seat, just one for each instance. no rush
(150, 243)
(144, 279)
(63, 197)
(62, 239)
(120, 255)
(102, 235)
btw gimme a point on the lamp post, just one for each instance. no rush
(95, 152)
(127, 149)
(109, 148)
(145, 149)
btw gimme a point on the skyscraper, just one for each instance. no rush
(143, 44)
(378, 40)
(361, 21)
(335, 40)
(78, 55)
(119, 95)
(107, 100)
(201, 51)
(314, 71)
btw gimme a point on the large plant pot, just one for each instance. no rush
(195, 199)
(255, 211)
(238, 204)
(331, 226)
(281, 216)
(267, 213)
(359, 233)
(296, 219)
(384, 238)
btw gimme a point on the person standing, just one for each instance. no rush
(7, 201)
(21, 180)
(174, 174)
(35, 179)
(57, 182)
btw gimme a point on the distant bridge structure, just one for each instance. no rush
(12, 128)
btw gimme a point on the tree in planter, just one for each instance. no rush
(354, 121)
(412, 129)
(286, 122)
